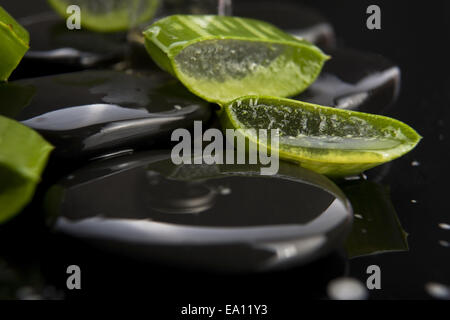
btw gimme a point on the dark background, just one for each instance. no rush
(414, 35)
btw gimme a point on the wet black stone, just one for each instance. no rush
(56, 49)
(355, 80)
(215, 217)
(297, 19)
(93, 113)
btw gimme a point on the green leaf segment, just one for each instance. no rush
(14, 43)
(23, 156)
(222, 58)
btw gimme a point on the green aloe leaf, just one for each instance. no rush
(326, 140)
(14, 43)
(221, 58)
(23, 156)
(109, 15)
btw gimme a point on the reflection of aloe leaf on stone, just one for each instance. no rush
(376, 227)
(14, 97)
(287, 171)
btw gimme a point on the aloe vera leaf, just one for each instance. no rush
(14, 43)
(326, 140)
(23, 156)
(221, 58)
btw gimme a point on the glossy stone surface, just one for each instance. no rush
(355, 80)
(226, 218)
(56, 49)
(297, 19)
(93, 113)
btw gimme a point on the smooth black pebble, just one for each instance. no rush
(95, 113)
(55, 49)
(214, 217)
(355, 80)
(296, 19)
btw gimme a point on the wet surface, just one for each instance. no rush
(222, 217)
(355, 80)
(93, 113)
(55, 49)
(416, 186)
(299, 20)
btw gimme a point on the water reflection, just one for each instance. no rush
(346, 288)
(217, 217)
(438, 290)
(355, 80)
(444, 226)
(376, 228)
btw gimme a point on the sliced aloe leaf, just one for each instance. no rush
(14, 42)
(327, 140)
(23, 156)
(109, 15)
(221, 58)
(376, 228)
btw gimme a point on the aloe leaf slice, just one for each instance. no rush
(23, 156)
(221, 58)
(329, 141)
(109, 15)
(14, 43)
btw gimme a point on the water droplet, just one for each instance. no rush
(347, 289)
(224, 190)
(350, 178)
(438, 291)
(358, 216)
(444, 226)
(413, 201)
(415, 163)
(177, 106)
(444, 243)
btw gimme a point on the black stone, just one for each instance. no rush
(355, 80)
(93, 113)
(55, 49)
(215, 217)
(297, 19)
